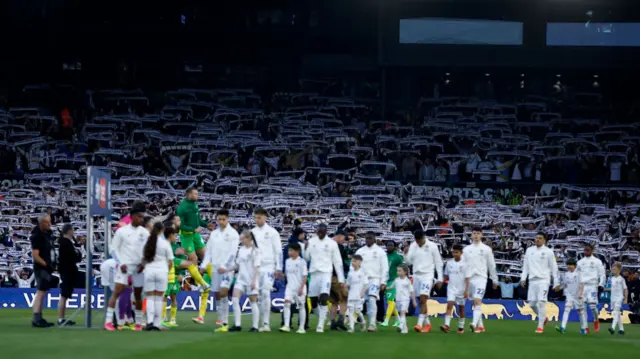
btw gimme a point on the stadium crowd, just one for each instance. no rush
(445, 167)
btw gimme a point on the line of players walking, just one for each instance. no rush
(250, 262)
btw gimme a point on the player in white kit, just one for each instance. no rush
(357, 284)
(223, 243)
(540, 268)
(404, 295)
(456, 273)
(295, 269)
(376, 267)
(157, 260)
(270, 244)
(479, 258)
(127, 250)
(569, 283)
(247, 263)
(427, 264)
(592, 277)
(324, 257)
(619, 295)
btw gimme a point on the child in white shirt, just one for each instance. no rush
(404, 294)
(356, 282)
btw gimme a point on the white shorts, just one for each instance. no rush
(219, 281)
(572, 303)
(156, 281)
(267, 279)
(477, 287)
(455, 295)
(246, 288)
(590, 294)
(355, 305)
(137, 279)
(538, 291)
(422, 285)
(373, 288)
(319, 283)
(291, 295)
(616, 304)
(402, 305)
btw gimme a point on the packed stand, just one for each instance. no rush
(313, 159)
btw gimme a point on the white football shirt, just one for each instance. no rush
(356, 280)
(296, 272)
(458, 272)
(618, 285)
(404, 289)
(248, 262)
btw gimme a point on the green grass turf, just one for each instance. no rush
(506, 339)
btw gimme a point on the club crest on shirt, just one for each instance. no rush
(141, 237)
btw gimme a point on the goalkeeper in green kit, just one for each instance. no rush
(395, 260)
(190, 227)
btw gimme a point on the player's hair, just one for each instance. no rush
(223, 212)
(404, 267)
(138, 207)
(152, 242)
(248, 234)
(418, 234)
(189, 190)
(543, 234)
(357, 257)
(169, 231)
(260, 211)
(476, 229)
(457, 247)
(295, 246)
(617, 265)
(572, 262)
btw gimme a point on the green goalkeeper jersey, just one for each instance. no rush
(395, 260)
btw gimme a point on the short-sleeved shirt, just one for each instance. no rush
(43, 242)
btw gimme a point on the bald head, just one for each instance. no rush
(44, 221)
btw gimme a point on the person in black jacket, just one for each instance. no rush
(42, 249)
(69, 256)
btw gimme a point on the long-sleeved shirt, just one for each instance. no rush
(128, 244)
(591, 271)
(323, 256)
(374, 263)
(426, 260)
(270, 245)
(540, 265)
(221, 244)
(479, 258)
(189, 216)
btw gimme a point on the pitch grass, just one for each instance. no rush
(506, 339)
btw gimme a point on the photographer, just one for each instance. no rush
(69, 256)
(43, 266)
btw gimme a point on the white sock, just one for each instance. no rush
(447, 320)
(534, 307)
(403, 321)
(426, 319)
(157, 321)
(620, 325)
(322, 314)
(266, 308)
(287, 314)
(542, 314)
(109, 318)
(477, 316)
(594, 310)
(583, 318)
(255, 314)
(223, 310)
(565, 316)
(614, 323)
(361, 316)
(302, 315)
(237, 312)
(372, 310)
(461, 323)
(151, 310)
(352, 319)
(140, 315)
(421, 319)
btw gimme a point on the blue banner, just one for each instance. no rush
(99, 192)
(190, 301)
